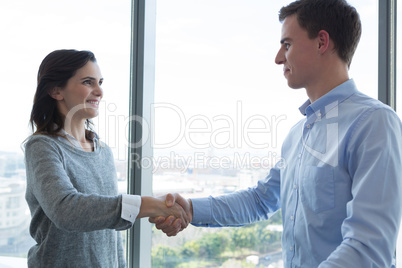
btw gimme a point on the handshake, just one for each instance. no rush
(171, 213)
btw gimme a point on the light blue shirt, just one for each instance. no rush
(338, 185)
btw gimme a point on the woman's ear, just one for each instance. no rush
(55, 93)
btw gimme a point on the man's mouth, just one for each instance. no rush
(286, 71)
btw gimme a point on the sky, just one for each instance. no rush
(214, 59)
(32, 29)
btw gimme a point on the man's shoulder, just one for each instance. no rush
(359, 104)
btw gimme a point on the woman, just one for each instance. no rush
(71, 178)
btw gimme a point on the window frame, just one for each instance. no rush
(387, 49)
(142, 81)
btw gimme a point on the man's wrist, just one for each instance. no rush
(191, 209)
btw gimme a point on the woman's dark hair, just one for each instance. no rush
(55, 71)
(337, 17)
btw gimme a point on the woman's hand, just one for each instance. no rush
(171, 225)
(165, 207)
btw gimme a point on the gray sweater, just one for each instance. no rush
(74, 204)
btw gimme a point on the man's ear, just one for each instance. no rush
(323, 41)
(55, 93)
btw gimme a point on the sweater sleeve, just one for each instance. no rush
(51, 194)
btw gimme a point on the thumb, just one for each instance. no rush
(187, 207)
(170, 200)
(181, 201)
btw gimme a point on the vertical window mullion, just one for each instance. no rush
(142, 82)
(387, 52)
(387, 61)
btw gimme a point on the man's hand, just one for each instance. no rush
(153, 207)
(170, 225)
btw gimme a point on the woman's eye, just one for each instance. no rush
(87, 82)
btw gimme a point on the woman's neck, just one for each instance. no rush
(79, 133)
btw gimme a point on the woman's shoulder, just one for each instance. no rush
(41, 138)
(40, 142)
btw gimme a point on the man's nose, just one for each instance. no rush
(280, 57)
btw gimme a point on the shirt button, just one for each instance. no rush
(295, 187)
(292, 218)
(299, 156)
(319, 114)
(291, 248)
(308, 126)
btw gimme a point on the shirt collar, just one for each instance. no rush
(329, 100)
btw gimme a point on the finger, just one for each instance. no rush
(186, 205)
(157, 220)
(174, 233)
(184, 222)
(170, 200)
(181, 201)
(165, 224)
(173, 229)
(184, 225)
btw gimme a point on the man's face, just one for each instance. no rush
(298, 55)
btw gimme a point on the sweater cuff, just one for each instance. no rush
(130, 207)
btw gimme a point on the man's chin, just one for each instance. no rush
(294, 86)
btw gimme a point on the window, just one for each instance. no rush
(399, 112)
(214, 61)
(222, 109)
(213, 88)
(364, 68)
(399, 64)
(31, 30)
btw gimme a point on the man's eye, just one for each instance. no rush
(287, 45)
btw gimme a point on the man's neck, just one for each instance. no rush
(329, 79)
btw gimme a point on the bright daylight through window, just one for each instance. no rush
(222, 111)
(34, 29)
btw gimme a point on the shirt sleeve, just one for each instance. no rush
(373, 217)
(130, 207)
(241, 207)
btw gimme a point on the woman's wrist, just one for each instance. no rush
(150, 207)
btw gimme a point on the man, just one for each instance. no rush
(339, 184)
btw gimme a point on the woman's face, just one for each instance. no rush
(79, 99)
